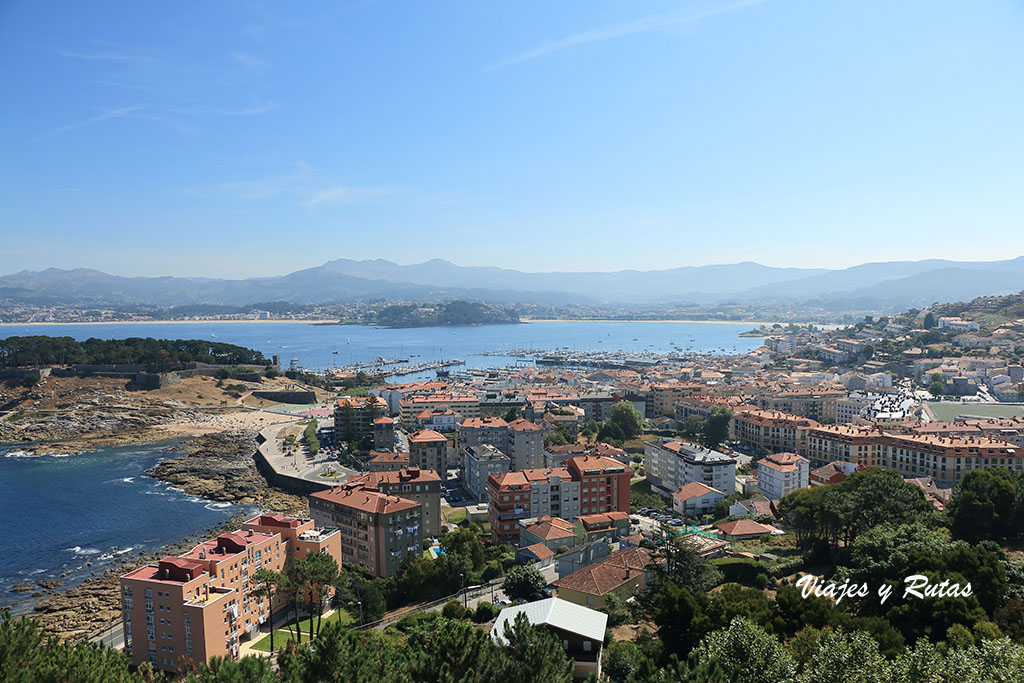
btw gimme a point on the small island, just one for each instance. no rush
(447, 314)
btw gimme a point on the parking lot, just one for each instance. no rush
(651, 519)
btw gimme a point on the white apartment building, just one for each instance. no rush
(673, 464)
(781, 473)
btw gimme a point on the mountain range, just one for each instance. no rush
(894, 284)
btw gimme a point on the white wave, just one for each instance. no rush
(124, 550)
(217, 506)
(61, 455)
(79, 550)
(20, 454)
(129, 480)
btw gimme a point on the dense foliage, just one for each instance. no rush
(168, 354)
(450, 313)
(838, 513)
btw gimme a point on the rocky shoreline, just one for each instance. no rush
(86, 609)
(221, 467)
(218, 467)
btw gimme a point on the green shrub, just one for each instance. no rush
(485, 611)
(453, 609)
(741, 570)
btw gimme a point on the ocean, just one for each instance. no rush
(62, 512)
(319, 347)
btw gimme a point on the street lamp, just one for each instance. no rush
(462, 582)
(360, 603)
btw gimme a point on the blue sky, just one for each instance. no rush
(243, 139)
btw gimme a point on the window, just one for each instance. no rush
(586, 646)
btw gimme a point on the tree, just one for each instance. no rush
(679, 616)
(679, 562)
(511, 414)
(453, 609)
(28, 655)
(523, 581)
(267, 584)
(533, 654)
(716, 426)
(692, 427)
(938, 385)
(611, 432)
(627, 418)
(929, 320)
(984, 505)
(852, 657)
(744, 650)
(313, 576)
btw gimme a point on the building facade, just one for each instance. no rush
(200, 604)
(378, 530)
(779, 474)
(672, 464)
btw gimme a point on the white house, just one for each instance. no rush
(696, 498)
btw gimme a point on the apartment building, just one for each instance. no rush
(672, 464)
(354, 415)
(555, 456)
(779, 474)
(945, 458)
(667, 395)
(480, 462)
(428, 450)
(378, 530)
(384, 434)
(772, 430)
(1010, 429)
(521, 440)
(813, 402)
(199, 604)
(394, 394)
(387, 461)
(412, 483)
(586, 485)
(843, 443)
(466, 405)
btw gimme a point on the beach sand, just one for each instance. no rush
(242, 419)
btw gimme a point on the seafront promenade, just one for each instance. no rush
(296, 471)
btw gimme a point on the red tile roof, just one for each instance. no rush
(694, 489)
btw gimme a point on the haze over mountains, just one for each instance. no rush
(896, 284)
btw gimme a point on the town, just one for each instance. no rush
(565, 493)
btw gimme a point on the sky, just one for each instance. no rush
(241, 139)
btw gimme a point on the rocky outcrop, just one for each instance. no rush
(221, 467)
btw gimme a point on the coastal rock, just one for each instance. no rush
(221, 467)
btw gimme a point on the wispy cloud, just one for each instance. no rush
(304, 185)
(251, 110)
(641, 25)
(248, 60)
(103, 56)
(345, 195)
(105, 116)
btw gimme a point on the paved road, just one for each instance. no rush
(113, 636)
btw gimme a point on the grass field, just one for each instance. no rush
(283, 635)
(453, 515)
(950, 411)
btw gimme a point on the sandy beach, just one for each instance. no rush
(210, 424)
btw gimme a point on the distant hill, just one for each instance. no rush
(896, 285)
